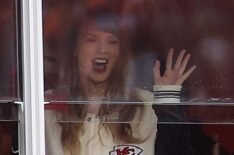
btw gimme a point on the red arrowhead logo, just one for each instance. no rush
(126, 150)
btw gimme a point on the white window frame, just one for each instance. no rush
(32, 130)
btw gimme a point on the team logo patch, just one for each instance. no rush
(126, 150)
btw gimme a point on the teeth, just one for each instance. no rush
(100, 60)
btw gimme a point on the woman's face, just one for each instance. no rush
(97, 52)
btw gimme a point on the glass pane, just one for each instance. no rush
(9, 112)
(9, 129)
(9, 89)
(191, 139)
(204, 29)
(183, 129)
(9, 77)
(167, 114)
(117, 119)
(112, 113)
(105, 52)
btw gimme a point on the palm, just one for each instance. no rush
(170, 77)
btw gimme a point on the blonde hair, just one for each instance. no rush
(117, 90)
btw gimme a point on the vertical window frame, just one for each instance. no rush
(32, 116)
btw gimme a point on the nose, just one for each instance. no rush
(103, 50)
(102, 47)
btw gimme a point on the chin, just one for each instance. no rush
(99, 80)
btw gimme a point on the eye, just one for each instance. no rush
(114, 41)
(90, 38)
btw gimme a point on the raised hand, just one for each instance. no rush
(173, 75)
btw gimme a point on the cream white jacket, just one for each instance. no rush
(94, 143)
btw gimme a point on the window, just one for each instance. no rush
(70, 58)
(150, 29)
(10, 90)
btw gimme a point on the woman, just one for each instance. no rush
(101, 74)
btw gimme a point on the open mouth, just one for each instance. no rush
(100, 65)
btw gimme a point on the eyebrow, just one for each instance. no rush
(113, 36)
(110, 35)
(90, 34)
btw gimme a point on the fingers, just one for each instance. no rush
(184, 64)
(186, 75)
(179, 59)
(157, 71)
(169, 59)
(176, 75)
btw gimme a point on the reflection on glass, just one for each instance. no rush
(194, 133)
(8, 51)
(9, 138)
(114, 113)
(195, 139)
(167, 114)
(9, 129)
(98, 52)
(202, 28)
(127, 125)
(8, 112)
(99, 71)
(8, 79)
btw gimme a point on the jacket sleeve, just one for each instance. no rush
(172, 138)
(166, 93)
(145, 121)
